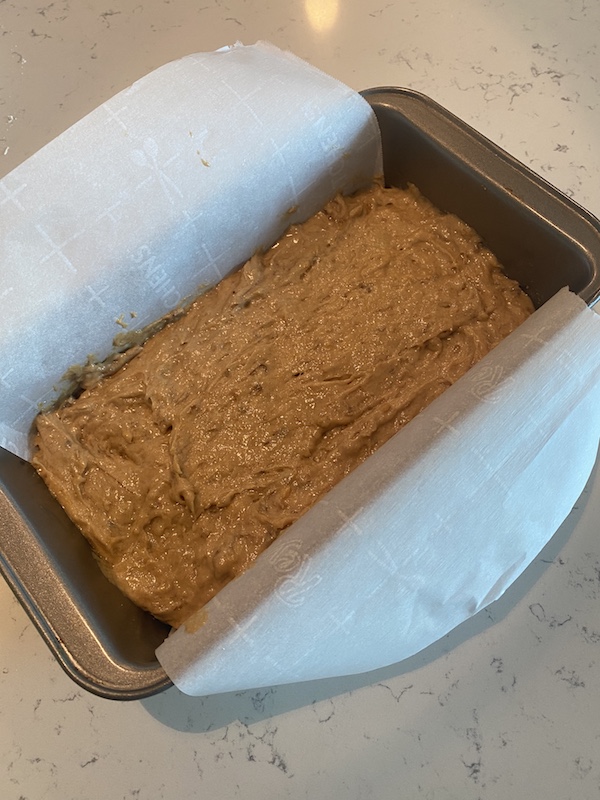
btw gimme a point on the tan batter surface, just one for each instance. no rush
(231, 422)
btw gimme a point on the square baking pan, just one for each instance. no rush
(544, 241)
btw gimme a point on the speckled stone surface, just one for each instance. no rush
(508, 705)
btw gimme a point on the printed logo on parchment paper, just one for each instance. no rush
(154, 272)
(488, 382)
(294, 565)
(148, 159)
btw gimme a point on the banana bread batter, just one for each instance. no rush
(231, 422)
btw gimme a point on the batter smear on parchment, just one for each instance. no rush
(231, 422)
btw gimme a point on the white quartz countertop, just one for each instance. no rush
(507, 705)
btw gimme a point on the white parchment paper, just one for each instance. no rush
(430, 529)
(163, 189)
(169, 186)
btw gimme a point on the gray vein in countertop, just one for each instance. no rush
(538, 611)
(105, 16)
(322, 714)
(570, 677)
(591, 637)
(583, 766)
(497, 665)
(91, 760)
